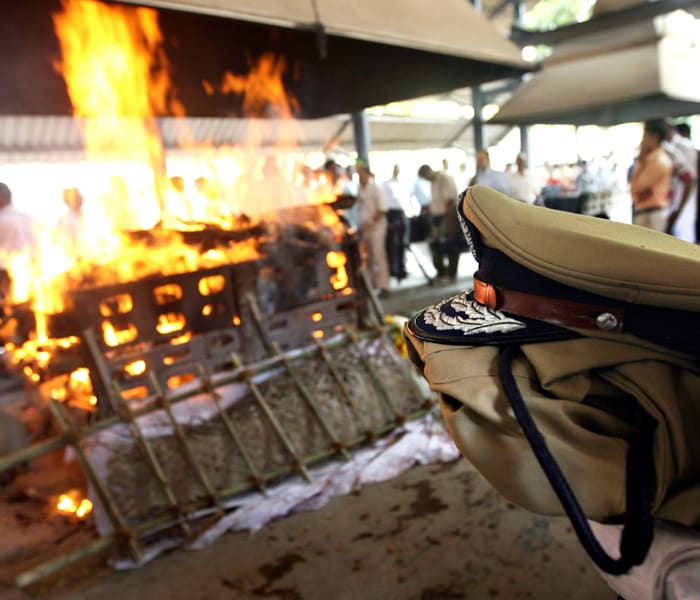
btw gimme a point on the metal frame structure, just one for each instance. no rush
(189, 518)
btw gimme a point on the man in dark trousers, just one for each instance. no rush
(445, 228)
(397, 224)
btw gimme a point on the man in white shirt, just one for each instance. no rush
(684, 186)
(398, 207)
(420, 210)
(445, 226)
(485, 175)
(522, 186)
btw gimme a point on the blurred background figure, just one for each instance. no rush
(177, 208)
(372, 209)
(485, 175)
(208, 203)
(462, 178)
(445, 230)
(398, 208)
(349, 181)
(522, 184)
(69, 229)
(420, 222)
(333, 172)
(651, 178)
(585, 180)
(684, 184)
(17, 236)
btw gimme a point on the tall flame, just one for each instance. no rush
(268, 184)
(117, 77)
(264, 97)
(116, 71)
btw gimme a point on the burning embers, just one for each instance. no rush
(73, 504)
(302, 283)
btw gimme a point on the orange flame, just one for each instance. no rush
(263, 90)
(117, 77)
(73, 503)
(337, 260)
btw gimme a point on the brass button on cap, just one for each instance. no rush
(606, 321)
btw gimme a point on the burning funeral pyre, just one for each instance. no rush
(186, 349)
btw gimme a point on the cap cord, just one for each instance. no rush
(638, 531)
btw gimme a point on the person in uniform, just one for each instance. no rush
(650, 182)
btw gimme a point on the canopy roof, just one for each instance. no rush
(339, 59)
(630, 74)
(449, 27)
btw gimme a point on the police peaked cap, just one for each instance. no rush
(545, 274)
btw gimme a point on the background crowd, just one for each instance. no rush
(659, 191)
(401, 207)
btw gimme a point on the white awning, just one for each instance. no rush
(623, 76)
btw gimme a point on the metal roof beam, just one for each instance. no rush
(506, 88)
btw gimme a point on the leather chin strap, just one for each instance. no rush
(551, 310)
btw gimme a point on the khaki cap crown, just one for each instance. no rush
(616, 260)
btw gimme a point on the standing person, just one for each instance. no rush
(17, 235)
(70, 226)
(397, 224)
(522, 185)
(462, 178)
(485, 175)
(445, 226)
(420, 203)
(651, 179)
(684, 185)
(372, 209)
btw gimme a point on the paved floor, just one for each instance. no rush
(437, 532)
(419, 289)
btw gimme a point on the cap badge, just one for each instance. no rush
(462, 313)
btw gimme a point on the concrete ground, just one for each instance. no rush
(419, 289)
(437, 532)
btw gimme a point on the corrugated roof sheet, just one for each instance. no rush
(24, 138)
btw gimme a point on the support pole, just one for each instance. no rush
(360, 126)
(478, 104)
(525, 142)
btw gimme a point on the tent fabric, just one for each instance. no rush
(453, 27)
(336, 60)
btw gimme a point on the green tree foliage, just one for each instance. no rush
(550, 14)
